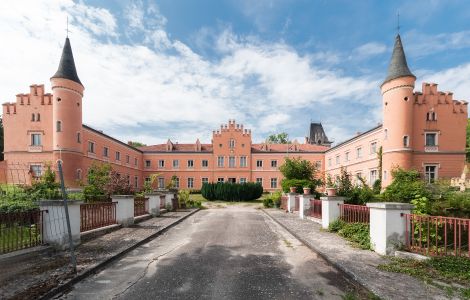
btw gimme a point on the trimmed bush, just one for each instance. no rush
(231, 191)
(272, 200)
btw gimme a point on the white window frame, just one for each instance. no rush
(436, 172)
(148, 163)
(372, 179)
(91, 147)
(373, 147)
(190, 163)
(204, 180)
(259, 180)
(259, 163)
(221, 179)
(274, 163)
(205, 163)
(117, 156)
(176, 163)
(220, 161)
(231, 143)
(337, 159)
(436, 140)
(232, 162)
(190, 183)
(177, 182)
(161, 182)
(359, 152)
(105, 152)
(33, 139)
(161, 163)
(274, 183)
(242, 161)
(242, 180)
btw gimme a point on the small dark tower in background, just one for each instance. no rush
(317, 135)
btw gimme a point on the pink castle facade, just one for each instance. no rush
(423, 130)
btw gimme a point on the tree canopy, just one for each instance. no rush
(280, 138)
(136, 144)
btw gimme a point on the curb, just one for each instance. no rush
(79, 277)
(342, 269)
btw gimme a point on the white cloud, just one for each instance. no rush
(160, 87)
(369, 49)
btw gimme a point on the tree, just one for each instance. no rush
(97, 178)
(280, 138)
(136, 144)
(297, 168)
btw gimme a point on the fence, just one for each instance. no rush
(284, 200)
(96, 215)
(315, 208)
(435, 235)
(141, 206)
(354, 213)
(20, 230)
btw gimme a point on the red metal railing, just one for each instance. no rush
(296, 203)
(20, 230)
(284, 200)
(435, 235)
(141, 206)
(354, 213)
(96, 215)
(315, 208)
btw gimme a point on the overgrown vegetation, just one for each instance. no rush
(359, 193)
(103, 181)
(357, 233)
(272, 200)
(184, 197)
(299, 173)
(448, 269)
(232, 191)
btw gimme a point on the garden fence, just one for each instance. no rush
(96, 215)
(141, 206)
(20, 230)
(350, 213)
(315, 208)
(437, 236)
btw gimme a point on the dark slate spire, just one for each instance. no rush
(398, 66)
(67, 68)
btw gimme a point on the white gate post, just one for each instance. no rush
(330, 209)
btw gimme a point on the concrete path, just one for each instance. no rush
(236, 252)
(359, 264)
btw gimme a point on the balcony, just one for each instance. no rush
(431, 148)
(35, 148)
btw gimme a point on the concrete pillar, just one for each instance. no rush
(291, 201)
(154, 203)
(304, 204)
(124, 209)
(330, 209)
(387, 226)
(55, 230)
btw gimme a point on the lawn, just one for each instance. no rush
(18, 237)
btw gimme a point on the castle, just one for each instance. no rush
(422, 130)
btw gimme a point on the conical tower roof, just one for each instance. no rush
(398, 66)
(67, 68)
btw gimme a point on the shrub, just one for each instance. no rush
(118, 185)
(297, 168)
(97, 178)
(357, 233)
(183, 197)
(336, 225)
(272, 200)
(406, 186)
(232, 191)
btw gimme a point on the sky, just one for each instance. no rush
(178, 69)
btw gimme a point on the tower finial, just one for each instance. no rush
(67, 29)
(398, 22)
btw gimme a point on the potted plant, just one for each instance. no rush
(307, 190)
(293, 189)
(330, 186)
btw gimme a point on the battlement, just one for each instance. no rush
(232, 126)
(431, 95)
(36, 92)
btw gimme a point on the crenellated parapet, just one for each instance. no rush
(231, 126)
(35, 97)
(433, 98)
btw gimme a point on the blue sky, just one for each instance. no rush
(178, 69)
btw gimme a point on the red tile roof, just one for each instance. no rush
(284, 148)
(176, 148)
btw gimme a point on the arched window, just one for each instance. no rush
(78, 175)
(33, 118)
(38, 117)
(58, 126)
(406, 141)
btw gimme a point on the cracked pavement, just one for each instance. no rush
(232, 253)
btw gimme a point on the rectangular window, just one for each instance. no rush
(205, 163)
(91, 147)
(259, 180)
(161, 182)
(176, 164)
(242, 180)
(136, 181)
(58, 126)
(190, 183)
(273, 163)
(205, 180)
(177, 182)
(337, 159)
(220, 179)
(373, 147)
(273, 183)
(329, 162)
(161, 163)
(259, 163)
(220, 161)
(128, 159)
(135, 162)
(430, 173)
(346, 156)
(118, 155)
(35, 139)
(128, 179)
(406, 141)
(105, 151)
(36, 171)
(79, 139)
(147, 180)
(359, 152)
(190, 163)
(431, 139)
(373, 177)
(242, 161)
(231, 162)
(148, 163)
(231, 144)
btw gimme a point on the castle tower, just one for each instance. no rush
(67, 91)
(398, 99)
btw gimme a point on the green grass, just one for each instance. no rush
(356, 233)
(19, 237)
(449, 269)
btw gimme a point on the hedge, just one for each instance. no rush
(231, 191)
